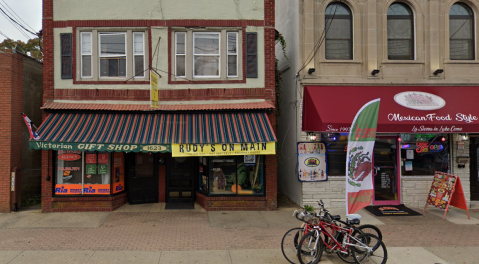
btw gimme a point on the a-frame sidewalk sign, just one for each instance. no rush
(446, 190)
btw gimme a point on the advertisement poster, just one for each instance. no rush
(359, 158)
(103, 158)
(67, 189)
(96, 189)
(90, 158)
(446, 190)
(91, 169)
(102, 169)
(118, 172)
(312, 162)
(441, 190)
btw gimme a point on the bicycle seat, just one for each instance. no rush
(336, 217)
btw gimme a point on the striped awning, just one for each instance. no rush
(149, 132)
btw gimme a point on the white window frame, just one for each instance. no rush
(113, 55)
(176, 52)
(229, 54)
(85, 54)
(137, 54)
(212, 55)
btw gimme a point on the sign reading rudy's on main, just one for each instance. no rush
(185, 150)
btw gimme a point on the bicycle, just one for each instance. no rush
(364, 246)
(291, 238)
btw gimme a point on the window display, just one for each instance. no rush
(336, 149)
(234, 175)
(86, 173)
(423, 154)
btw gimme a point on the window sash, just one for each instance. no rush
(461, 39)
(234, 70)
(212, 55)
(137, 54)
(178, 55)
(339, 32)
(106, 58)
(86, 54)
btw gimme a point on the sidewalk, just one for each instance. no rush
(151, 234)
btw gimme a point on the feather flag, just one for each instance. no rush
(28, 122)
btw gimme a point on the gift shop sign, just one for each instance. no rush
(185, 150)
(72, 147)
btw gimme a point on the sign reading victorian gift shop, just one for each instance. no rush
(185, 150)
(411, 109)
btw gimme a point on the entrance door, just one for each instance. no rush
(142, 176)
(474, 154)
(179, 180)
(386, 173)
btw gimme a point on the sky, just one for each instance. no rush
(28, 10)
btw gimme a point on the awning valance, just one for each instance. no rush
(149, 132)
(410, 109)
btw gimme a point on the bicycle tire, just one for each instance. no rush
(347, 257)
(370, 229)
(310, 248)
(378, 253)
(289, 244)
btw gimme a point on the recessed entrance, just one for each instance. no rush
(142, 176)
(180, 192)
(474, 154)
(386, 174)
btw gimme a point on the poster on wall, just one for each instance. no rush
(118, 172)
(446, 189)
(312, 162)
(90, 158)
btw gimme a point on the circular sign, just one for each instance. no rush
(311, 162)
(69, 157)
(419, 100)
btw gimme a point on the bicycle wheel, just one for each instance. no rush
(289, 244)
(370, 229)
(310, 248)
(369, 248)
(347, 257)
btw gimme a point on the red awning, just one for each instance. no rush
(403, 109)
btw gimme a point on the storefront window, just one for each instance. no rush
(69, 172)
(336, 148)
(423, 154)
(83, 173)
(233, 175)
(97, 173)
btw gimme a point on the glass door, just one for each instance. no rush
(386, 174)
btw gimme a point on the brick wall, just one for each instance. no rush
(11, 98)
(267, 92)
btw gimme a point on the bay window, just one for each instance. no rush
(203, 55)
(107, 54)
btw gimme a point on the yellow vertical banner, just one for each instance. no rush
(154, 90)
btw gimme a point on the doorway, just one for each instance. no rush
(142, 178)
(474, 172)
(386, 173)
(180, 188)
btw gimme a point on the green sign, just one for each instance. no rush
(99, 147)
(102, 169)
(91, 169)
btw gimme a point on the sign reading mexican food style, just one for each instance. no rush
(99, 147)
(312, 162)
(404, 109)
(185, 150)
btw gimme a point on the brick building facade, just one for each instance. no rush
(20, 90)
(215, 68)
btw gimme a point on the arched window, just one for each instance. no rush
(461, 32)
(339, 34)
(400, 32)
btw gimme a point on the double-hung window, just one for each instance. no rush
(86, 52)
(106, 54)
(206, 53)
(201, 55)
(112, 54)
